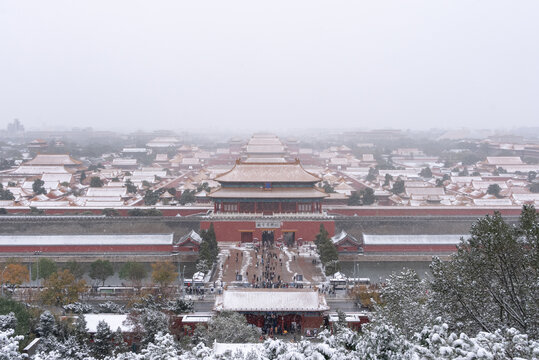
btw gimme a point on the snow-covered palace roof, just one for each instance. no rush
(114, 321)
(341, 236)
(193, 235)
(270, 300)
(52, 240)
(198, 317)
(267, 172)
(412, 239)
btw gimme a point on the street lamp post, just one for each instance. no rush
(183, 283)
(37, 275)
(5, 268)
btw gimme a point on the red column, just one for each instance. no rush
(255, 206)
(296, 206)
(280, 207)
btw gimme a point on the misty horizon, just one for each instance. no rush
(271, 67)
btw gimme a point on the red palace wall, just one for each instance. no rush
(86, 248)
(312, 322)
(348, 248)
(186, 248)
(230, 231)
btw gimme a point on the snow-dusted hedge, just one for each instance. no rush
(111, 308)
(78, 308)
(379, 341)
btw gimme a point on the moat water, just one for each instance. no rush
(379, 271)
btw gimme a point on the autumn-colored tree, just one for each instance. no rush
(366, 295)
(164, 273)
(15, 274)
(62, 288)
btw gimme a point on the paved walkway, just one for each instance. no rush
(273, 263)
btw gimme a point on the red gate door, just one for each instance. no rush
(246, 236)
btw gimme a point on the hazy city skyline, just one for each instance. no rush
(183, 65)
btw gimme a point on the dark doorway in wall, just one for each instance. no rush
(289, 238)
(268, 237)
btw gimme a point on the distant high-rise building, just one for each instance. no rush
(15, 128)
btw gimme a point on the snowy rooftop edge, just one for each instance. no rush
(447, 239)
(143, 239)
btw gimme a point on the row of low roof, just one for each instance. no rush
(96, 240)
(398, 239)
(253, 300)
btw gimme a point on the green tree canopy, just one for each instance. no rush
(131, 188)
(37, 187)
(426, 173)
(373, 173)
(5, 194)
(491, 282)
(327, 250)
(96, 182)
(75, 268)
(187, 196)
(494, 189)
(25, 316)
(328, 188)
(354, 199)
(367, 196)
(133, 271)
(45, 267)
(101, 270)
(398, 187)
(110, 212)
(102, 344)
(151, 197)
(144, 212)
(388, 178)
(204, 186)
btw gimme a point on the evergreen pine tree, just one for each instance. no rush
(212, 240)
(491, 282)
(162, 348)
(9, 346)
(46, 325)
(81, 331)
(367, 196)
(102, 345)
(404, 296)
(120, 346)
(71, 349)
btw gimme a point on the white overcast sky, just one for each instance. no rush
(252, 64)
